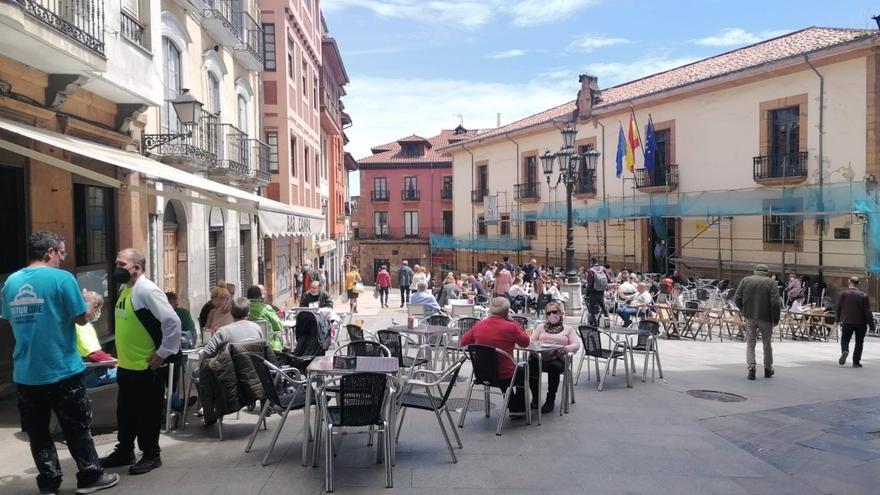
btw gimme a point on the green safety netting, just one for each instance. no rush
(478, 243)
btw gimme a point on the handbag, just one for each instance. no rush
(376, 292)
(358, 287)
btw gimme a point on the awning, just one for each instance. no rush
(325, 247)
(276, 218)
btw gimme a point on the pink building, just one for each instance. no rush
(406, 195)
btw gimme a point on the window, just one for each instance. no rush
(841, 233)
(447, 182)
(94, 224)
(290, 66)
(481, 225)
(216, 241)
(410, 188)
(531, 229)
(530, 169)
(317, 167)
(272, 141)
(293, 157)
(447, 222)
(483, 178)
(411, 224)
(380, 223)
(784, 142)
(269, 47)
(13, 252)
(582, 166)
(505, 224)
(172, 81)
(305, 73)
(315, 92)
(242, 114)
(213, 103)
(780, 229)
(132, 7)
(306, 162)
(380, 188)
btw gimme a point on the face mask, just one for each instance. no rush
(121, 275)
(553, 319)
(96, 317)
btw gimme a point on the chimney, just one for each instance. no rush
(587, 96)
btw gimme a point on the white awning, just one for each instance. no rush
(327, 246)
(277, 218)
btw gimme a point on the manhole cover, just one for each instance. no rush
(475, 405)
(716, 395)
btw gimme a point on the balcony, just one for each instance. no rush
(249, 50)
(196, 153)
(781, 168)
(132, 30)
(82, 20)
(478, 194)
(585, 185)
(348, 208)
(234, 154)
(409, 195)
(529, 192)
(446, 193)
(218, 21)
(379, 196)
(258, 163)
(661, 179)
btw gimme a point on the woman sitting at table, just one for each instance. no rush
(551, 332)
(797, 307)
(220, 315)
(449, 290)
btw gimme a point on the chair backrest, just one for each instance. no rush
(703, 294)
(393, 341)
(465, 323)
(692, 304)
(481, 300)
(355, 332)
(591, 338)
(522, 321)
(264, 328)
(453, 376)
(651, 326)
(462, 310)
(439, 320)
(360, 399)
(269, 386)
(415, 310)
(484, 361)
(366, 348)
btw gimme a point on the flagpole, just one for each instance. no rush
(641, 141)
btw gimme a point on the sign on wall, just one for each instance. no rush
(490, 203)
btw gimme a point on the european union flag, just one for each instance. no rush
(621, 151)
(650, 146)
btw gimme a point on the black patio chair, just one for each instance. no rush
(366, 348)
(285, 392)
(355, 333)
(648, 344)
(522, 321)
(484, 361)
(394, 342)
(591, 337)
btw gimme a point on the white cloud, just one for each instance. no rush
(614, 73)
(469, 14)
(516, 52)
(588, 42)
(738, 37)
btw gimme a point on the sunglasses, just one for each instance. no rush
(552, 312)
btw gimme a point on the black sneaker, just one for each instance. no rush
(145, 465)
(107, 480)
(751, 373)
(857, 365)
(118, 458)
(547, 407)
(769, 372)
(842, 359)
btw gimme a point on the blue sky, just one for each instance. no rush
(416, 65)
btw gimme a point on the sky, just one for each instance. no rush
(419, 66)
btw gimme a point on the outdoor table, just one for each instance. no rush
(690, 316)
(192, 356)
(425, 333)
(539, 348)
(323, 366)
(626, 332)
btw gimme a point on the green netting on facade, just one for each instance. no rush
(478, 243)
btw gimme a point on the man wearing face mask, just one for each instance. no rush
(147, 334)
(316, 295)
(42, 303)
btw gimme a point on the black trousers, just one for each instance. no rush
(596, 305)
(73, 408)
(553, 367)
(404, 294)
(517, 402)
(139, 409)
(847, 332)
(383, 295)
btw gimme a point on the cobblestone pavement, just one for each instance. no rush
(811, 429)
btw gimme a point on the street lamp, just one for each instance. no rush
(568, 160)
(188, 110)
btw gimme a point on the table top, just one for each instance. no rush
(425, 329)
(625, 331)
(538, 346)
(323, 365)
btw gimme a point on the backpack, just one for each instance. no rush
(600, 280)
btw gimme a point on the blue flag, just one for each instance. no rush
(621, 151)
(650, 146)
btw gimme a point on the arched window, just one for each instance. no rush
(172, 82)
(213, 94)
(242, 114)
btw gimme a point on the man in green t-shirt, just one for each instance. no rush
(187, 327)
(260, 311)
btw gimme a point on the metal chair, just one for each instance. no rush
(431, 402)
(462, 310)
(439, 320)
(356, 332)
(415, 311)
(363, 400)
(592, 340)
(522, 321)
(484, 360)
(293, 397)
(464, 324)
(394, 342)
(648, 344)
(366, 348)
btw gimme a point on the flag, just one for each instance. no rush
(650, 145)
(632, 143)
(621, 151)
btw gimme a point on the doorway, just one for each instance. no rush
(662, 232)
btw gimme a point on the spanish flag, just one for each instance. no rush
(632, 143)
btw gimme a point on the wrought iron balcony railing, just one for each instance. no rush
(259, 160)
(780, 166)
(660, 176)
(203, 145)
(477, 195)
(446, 193)
(380, 195)
(80, 20)
(234, 154)
(132, 29)
(251, 34)
(585, 183)
(409, 195)
(528, 190)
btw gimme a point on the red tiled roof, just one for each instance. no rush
(773, 50)
(392, 153)
(413, 138)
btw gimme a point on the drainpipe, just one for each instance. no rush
(821, 166)
(604, 196)
(473, 210)
(518, 208)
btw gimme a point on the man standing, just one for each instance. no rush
(261, 311)
(758, 299)
(660, 256)
(404, 280)
(42, 303)
(529, 271)
(854, 315)
(147, 333)
(597, 284)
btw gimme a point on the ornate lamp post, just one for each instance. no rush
(188, 110)
(568, 160)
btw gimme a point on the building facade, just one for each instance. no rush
(766, 154)
(406, 195)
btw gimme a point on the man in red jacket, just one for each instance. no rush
(500, 332)
(383, 282)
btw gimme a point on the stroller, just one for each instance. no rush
(312, 340)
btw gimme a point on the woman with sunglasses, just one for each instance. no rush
(551, 332)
